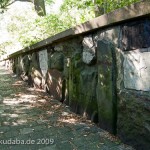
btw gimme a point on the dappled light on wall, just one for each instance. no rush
(54, 83)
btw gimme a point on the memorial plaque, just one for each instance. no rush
(136, 71)
(135, 35)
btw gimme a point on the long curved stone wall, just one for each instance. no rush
(101, 69)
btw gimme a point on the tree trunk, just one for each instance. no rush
(40, 7)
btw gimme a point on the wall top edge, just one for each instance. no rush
(136, 10)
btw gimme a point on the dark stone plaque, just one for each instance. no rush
(135, 35)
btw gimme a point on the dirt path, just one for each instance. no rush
(30, 119)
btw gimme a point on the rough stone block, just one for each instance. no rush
(56, 61)
(88, 50)
(54, 83)
(106, 96)
(34, 70)
(25, 64)
(110, 35)
(88, 57)
(81, 87)
(133, 119)
(34, 61)
(43, 61)
(58, 48)
(88, 84)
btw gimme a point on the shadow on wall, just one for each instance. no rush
(54, 84)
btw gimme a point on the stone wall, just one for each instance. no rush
(102, 73)
(133, 84)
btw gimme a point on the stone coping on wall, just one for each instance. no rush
(134, 11)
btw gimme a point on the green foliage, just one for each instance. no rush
(3, 47)
(42, 28)
(4, 3)
(110, 5)
(79, 10)
(71, 13)
(49, 2)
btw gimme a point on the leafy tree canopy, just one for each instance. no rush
(4, 3)
(72, 12)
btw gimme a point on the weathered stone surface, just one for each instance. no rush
(35, 76)
(66, 68)
(34, 61)
(25, 63)
(119, 64)
(106, 94)
(89, 53)
(138, 29)
(133, 119)
(65, 83)
(88, 57)
(109, 35)
(81, 84)
(88, 41)
(24, 67)
(16, 66)
(54, 83)
(43, 61)
(87, 98)
(56, 61)
(137, 71)
(58, 48)
(74, 80)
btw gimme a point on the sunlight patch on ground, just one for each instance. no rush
(21, 99)
(22, 121)
(49, 112)
(10, 115)
(35, 89)
(42, 100)
(18, 83)
(3, 73)
(71, 120)
(68, 118)
(28, 96)
(65, 113)
(11, 101)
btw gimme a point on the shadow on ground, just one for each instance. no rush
(30, 119)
